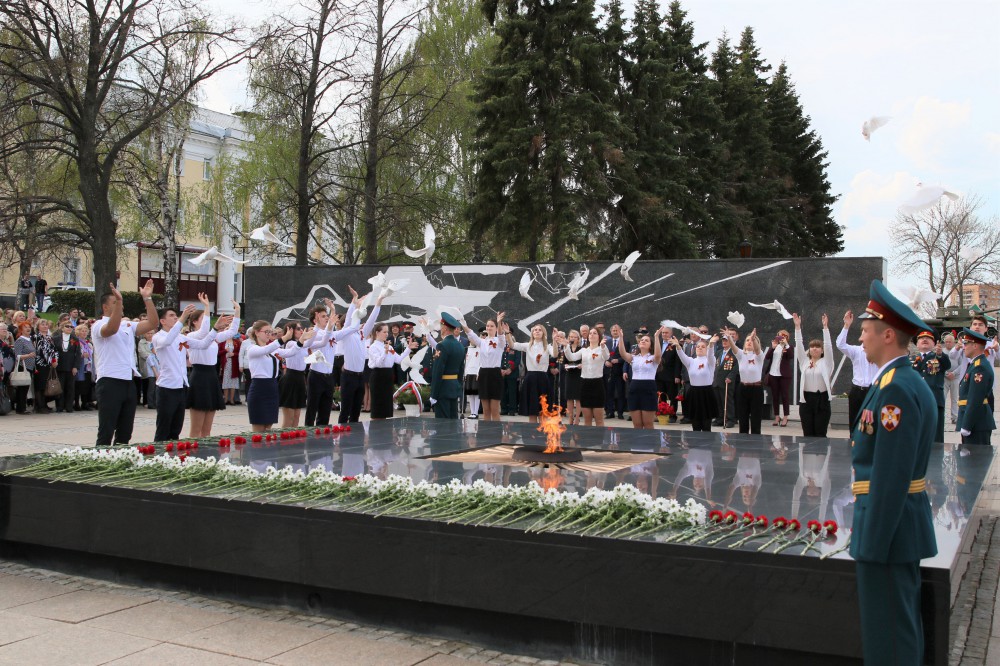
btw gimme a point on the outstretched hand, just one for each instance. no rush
(146, 291)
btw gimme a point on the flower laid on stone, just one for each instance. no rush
(623, 512)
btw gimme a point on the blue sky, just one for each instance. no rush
(932, 66)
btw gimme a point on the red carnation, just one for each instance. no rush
(256, 438)
(241, 440)
(318, 431)
(348, 479)
(831, 527)
(761, 520)
(794, 524)
(192, 445)
(730, 516)
(715, 516)
(347, 428)
(327, 430)
(814, 526)
(182, 458)
(679, 398)
(170, 446)
(748, 518)
(780, 522)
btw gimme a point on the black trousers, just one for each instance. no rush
(84, 392)
(68, 382)
(815, 413)
(615, 397)
(140, 389)
(726, 400)
(319, 398)
(352, 394)
(20, 399)
(855, 398)
(116, 401)
(701, 425)
(40, 378)
(170, 406)
(750, 408)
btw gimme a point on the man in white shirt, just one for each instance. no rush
(864, 370)
(114, 354)
(954, 376)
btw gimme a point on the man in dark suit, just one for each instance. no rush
(890, 447)
(668, 374)
(614, 401)
(68, 347)
(726, 383)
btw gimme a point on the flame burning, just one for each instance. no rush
(550, 422)
(552, 478)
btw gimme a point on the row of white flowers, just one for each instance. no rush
(621, 512)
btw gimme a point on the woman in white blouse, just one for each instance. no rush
(750, 398)
(815, 385)
(642, 384)
(490, 381)
(699, 398)
(592, 360)
(292, 384)
(262, 398)
(535, 384)
(382, 358)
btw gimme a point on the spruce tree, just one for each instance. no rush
(805, 201)
(547, 130)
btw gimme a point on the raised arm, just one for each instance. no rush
(800, 350)
(256, 351)
(152, 317)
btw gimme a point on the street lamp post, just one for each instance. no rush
(236, 238)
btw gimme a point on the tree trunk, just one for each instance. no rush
(371, 157)
(102, 225)
(171, 289)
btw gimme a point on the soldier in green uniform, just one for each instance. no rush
(932, 363)
(975, 418)
(446, 370)
(890, 446)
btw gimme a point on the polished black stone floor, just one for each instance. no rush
(780, 475)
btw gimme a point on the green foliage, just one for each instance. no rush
(64, 301)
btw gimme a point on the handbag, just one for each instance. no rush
(53, 388)
(20, 376)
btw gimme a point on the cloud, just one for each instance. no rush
(992, 142)
(932, 130)
(871, 192)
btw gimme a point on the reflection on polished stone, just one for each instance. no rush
(774, 475)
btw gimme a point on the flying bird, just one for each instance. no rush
(422, 327)
(264, 234)
(453, 311)
(427, 250)
(873, 124)
(388, 287)
(526, 281)
(577, 283)
(213, 253)
(916, 296)
(684, 330)
(736, 319)
(628, 263)
(773, 306)
(925, 197)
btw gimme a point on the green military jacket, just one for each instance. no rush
(890, 447)
(449, 362)
(932, 368)
(974, 413)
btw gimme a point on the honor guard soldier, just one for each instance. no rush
(932, 364)
(890, 446)
(446, 370)
(975, 418)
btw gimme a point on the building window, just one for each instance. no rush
(207, 222)
(71, 270)
(206, 173)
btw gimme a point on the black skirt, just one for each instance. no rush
(533, 387)
(490, 384)
(382, 387)
(205, 392)
(262, 401)
(592, 393)
(573, 383)
(642, 395)
(471, 384)
(700, 404)
(292, 389)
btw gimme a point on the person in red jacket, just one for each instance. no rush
(229, 368)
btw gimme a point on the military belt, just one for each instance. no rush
(863, 487)
(963, 403)
(449, 376)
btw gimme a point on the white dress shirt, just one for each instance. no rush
(816, 376)
(114, 356)
(536, 355)
(264, 360)
(380, 357)
(643, 366)
(490, 349)
(170, 346)
(751, 365)
(701, 369)
(296, 359)
(472, 361)
(775, 370)
(205, 355)
(353, 347)
(591, 358)
(864, 370)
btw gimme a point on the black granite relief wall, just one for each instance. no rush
(690, 292)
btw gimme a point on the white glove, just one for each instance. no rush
(965, 433)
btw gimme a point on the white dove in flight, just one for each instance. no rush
(916, 296)
(264, 234)
(628, 263)
(925, 197)
(773, 306)
(412, 363)
(736, 319)
(427, 250)
(213, 253)
(388, 287)
(873, 124)
(577, 283)
(526, 281)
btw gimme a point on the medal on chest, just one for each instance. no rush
(867, 424)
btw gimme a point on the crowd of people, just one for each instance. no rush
(302, 372)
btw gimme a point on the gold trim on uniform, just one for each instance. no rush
(864, 487)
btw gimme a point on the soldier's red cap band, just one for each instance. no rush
(925, 334)
(890, 318)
